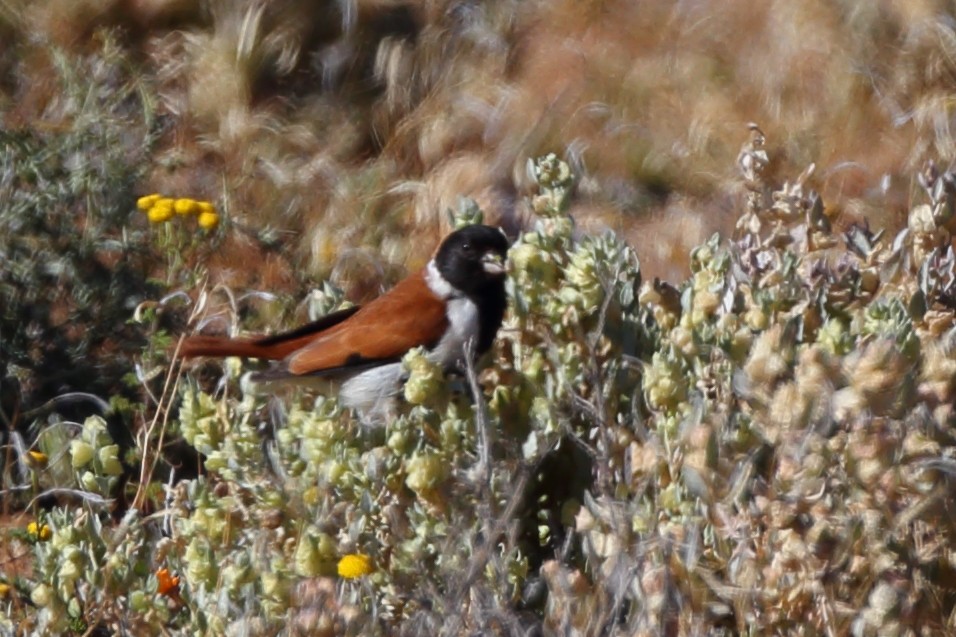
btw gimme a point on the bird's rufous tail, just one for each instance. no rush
(272, 348)
(220, 346)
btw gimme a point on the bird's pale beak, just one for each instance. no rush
(493, 264)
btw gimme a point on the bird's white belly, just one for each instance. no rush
(463, 326)
(371, 392)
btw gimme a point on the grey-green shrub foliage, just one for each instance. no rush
(72, 267)
(766, 447)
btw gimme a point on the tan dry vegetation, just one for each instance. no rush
(353, 123)
(361, 122)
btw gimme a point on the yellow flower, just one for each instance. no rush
(41, 533)
(36, 459)
(147, 202)
(186, 206)
(4, 590)
(208, 220)
(355, 565)
(160, 213)
(205, 206)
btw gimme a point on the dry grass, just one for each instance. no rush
(352, 123)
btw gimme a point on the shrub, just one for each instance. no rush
(765, 447)
(74, 267)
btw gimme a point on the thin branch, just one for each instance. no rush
(481, 418)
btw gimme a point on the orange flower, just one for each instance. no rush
(167, 583)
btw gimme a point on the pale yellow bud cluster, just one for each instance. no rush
(95, 457)
(425, 377)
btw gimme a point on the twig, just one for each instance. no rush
(148, 464)
(483, 554)
(481, 418)
(69, 398)
(86, 496)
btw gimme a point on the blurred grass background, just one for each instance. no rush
(349, 125)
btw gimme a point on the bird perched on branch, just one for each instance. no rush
(456, 299)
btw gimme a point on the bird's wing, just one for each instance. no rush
(409, 315)
(301, 335)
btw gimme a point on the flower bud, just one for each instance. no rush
(307, 562)
(425, 472)
(81, 453)
(42, 595)
(109, 460)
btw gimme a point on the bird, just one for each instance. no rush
(456, 303)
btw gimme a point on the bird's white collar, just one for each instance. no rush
(438, 284)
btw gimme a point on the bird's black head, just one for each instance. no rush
(472, 261)
(473, 258)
